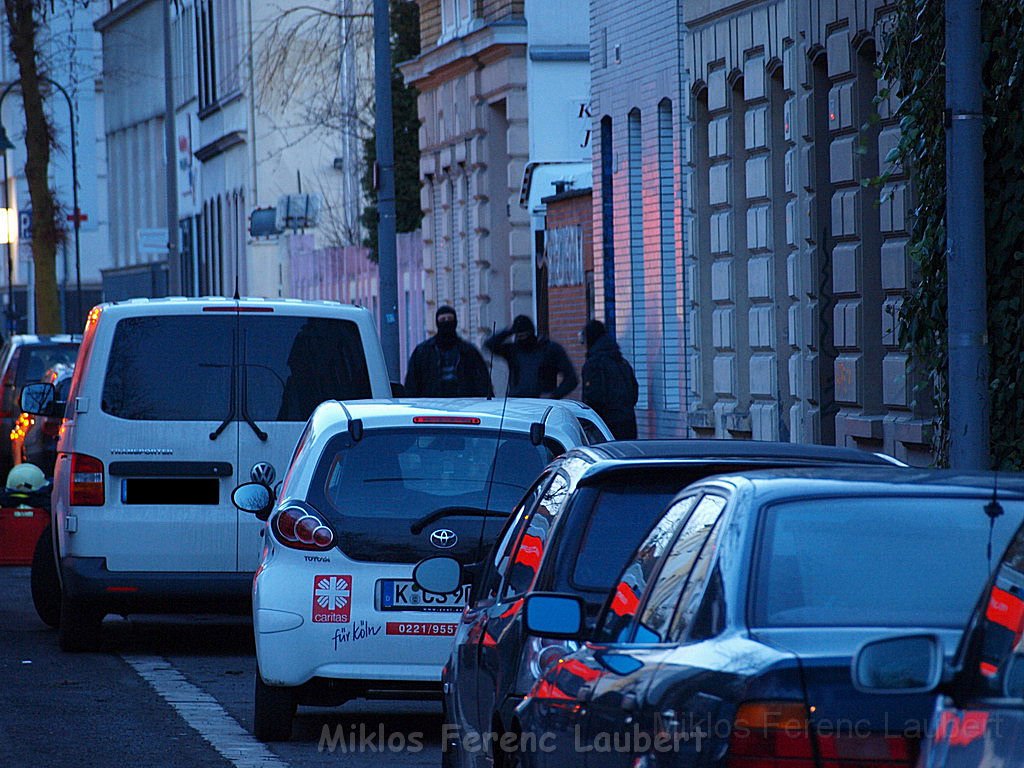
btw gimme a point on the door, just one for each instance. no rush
(986, 724)
(618, 702)
(471, 636)
(292, 360)
(161, 421)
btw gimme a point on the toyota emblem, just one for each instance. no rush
(263, 473)
(443, 538)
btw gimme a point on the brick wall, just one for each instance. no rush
(430, 23)
(567, 304)
(497, 10)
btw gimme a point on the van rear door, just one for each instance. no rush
(294, 358)
(163, 423)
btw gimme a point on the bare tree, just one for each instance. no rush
(313, 67)
(23, 24)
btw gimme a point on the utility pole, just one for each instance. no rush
(969, 401)
(174, 286)
(387, 251)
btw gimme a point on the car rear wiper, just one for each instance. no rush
(437, 514)
(231, 407)
(245, 394)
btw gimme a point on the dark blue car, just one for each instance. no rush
(729, 638)
(979, 714)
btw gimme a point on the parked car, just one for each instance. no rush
(25, 359)
(373, 488)
(173, 400)
(35, 441)
(578, 525)
(978, 716)
(729, 636)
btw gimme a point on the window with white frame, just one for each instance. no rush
(456, 16)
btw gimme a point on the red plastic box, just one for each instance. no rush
(19, 532)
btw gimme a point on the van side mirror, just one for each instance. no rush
(38, 399)
(254, 498)
(908, 664)
(549, 614)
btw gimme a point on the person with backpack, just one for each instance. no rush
(609, 384)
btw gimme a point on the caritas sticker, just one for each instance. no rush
(332, 599)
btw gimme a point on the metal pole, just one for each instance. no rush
(80, 319)
(387, 252)
(965, 256)
(171, 156)
(10, 256)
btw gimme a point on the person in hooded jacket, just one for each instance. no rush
(445, 365)
(609, 384)
(534, 364)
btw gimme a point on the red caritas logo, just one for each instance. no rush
(332, 599)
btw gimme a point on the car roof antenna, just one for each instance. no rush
(494, 458)
(994, 510)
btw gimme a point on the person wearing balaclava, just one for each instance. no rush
(537, 366)
(609, 384)
(446, 365)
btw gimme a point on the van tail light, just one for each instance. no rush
(301, 528)
(86, 481)
(779, 734)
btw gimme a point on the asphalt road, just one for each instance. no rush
(173, 691)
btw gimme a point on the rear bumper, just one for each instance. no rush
(87, 580)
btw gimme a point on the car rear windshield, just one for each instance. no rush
(896, 562)
(411, 472)
(181, 367)
(620, 518)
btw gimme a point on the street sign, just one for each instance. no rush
(25, 225)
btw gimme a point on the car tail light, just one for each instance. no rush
(778, 734)
(540, 653)
(300, 528)
(86, 481)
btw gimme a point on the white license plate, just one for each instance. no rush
(404, 595)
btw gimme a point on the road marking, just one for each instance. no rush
(204, 714)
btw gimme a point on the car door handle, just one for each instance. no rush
(628, 702)
(670, 721)
(584, 691)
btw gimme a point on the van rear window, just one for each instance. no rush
(184, 367)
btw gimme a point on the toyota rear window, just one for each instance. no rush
(876, 561)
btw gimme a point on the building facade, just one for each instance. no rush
(750, 275)
(271, 100)
(504, 90)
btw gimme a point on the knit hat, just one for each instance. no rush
(523, 324)
(444, 309)
(593, 331)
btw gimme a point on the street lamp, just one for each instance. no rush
(9, 233)
(76, 217)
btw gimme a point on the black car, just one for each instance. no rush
(729, 637)
(24, 359)
(978, 719)
(572, 532)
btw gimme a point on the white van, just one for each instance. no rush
(173, 403)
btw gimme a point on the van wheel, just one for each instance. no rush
(273, 711)
(46, 581)
(79, 628)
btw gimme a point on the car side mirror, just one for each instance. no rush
(37, 399)
(254, 498)
(907, 664)
(439, 575)
(550, 614)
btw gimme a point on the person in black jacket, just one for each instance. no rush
(534, 364)
(446, 365)
(609, 384)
